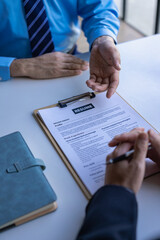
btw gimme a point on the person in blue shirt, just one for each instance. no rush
(112, 211)
(100, 25)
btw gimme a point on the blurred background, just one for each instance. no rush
(138, 18)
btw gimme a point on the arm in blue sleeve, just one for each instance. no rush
(111, 214)
(100, 17)
(5, 63)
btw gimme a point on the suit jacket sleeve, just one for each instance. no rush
(111, 214)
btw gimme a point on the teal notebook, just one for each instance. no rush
(25, 192)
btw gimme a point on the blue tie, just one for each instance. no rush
(38, 27)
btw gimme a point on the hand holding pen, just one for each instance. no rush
(128, 174)
(126, 156)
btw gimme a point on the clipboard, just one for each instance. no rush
(63, 103)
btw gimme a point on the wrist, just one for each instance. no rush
(18, 68)
(102, 39)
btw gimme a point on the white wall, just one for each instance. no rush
(119, 5)
(140, 14)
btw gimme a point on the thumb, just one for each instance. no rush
(155, 139)
(141, 148)
(116, 59)
(110, 54)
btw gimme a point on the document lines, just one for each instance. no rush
(80, 132)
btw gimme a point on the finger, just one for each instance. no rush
(75, 66)
(111, 55)
(67, 73)
(91, 82)
(126, 137)
(137, 163)
(98, 84)
(141, 148)
(98, 87)
(99, 80)
(114, 81)
(116, 60)
(154, 139)
(119, 150)
(72, 59)
(91, 79)
(138, 129)
(101, 86)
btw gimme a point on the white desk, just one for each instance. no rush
(139, 84)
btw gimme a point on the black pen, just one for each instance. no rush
(124, 156)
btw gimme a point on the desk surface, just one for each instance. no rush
(139, 85)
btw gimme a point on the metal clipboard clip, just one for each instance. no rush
(63, 103)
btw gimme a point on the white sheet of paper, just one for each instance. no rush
(83, 130)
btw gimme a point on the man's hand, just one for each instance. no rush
(130, 137)
(154, 153)
(128, 173)
(104, 66)
(50, 65)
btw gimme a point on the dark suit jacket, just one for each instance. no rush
(110, 215)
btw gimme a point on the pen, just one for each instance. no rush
(125, 156)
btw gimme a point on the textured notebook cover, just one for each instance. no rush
(23, 186)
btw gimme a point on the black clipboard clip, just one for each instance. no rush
(63, 103)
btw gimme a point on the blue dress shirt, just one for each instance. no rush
(100, 17)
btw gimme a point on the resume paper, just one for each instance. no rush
(83, 130)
